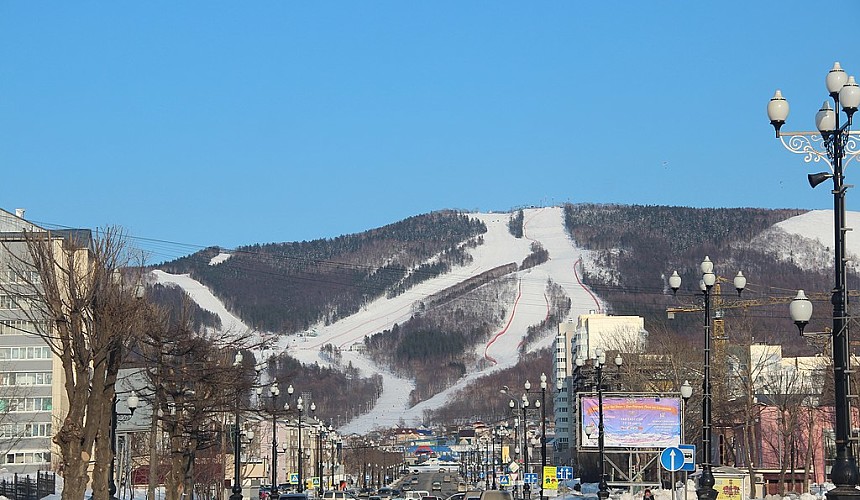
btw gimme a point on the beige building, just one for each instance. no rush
(591, 331)
(32, 399)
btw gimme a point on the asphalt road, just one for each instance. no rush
(425, 482)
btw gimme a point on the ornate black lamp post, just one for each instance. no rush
(274, 392)
(132, 402)
(835, 145)
(299, 409)
(332, 437)
(237, 444)
(705, 490)
(599, 362)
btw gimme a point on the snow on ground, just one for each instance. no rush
(818, 225)
(204, 298)
(543, 225)
(221, 257)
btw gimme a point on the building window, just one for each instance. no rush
(16, 327)
(19, 405)
(19, 430)
(25, 378)
(29, 352)
(28, 457)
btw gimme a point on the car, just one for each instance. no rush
(405, 488)
(472, 495)
(293, 496)
(386, 493)
(414, 480)
(446, 478)
(436, 486)
(462, 487)
(336, 495)
(457, 496)
(496, 495)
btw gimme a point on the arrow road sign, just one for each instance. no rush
(672, 459)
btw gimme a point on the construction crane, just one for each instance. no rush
(718, 304)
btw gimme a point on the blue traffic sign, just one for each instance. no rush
(689, 451)
(672, 459)
(564, 473)
(504, 480)
(530, 478)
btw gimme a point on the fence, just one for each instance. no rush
(27, 488)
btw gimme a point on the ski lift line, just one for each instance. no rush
(503, 330)
(546, 318)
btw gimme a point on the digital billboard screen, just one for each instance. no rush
(632, 421)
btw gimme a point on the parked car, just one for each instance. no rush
(436, 486)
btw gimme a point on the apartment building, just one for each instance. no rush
(32, 401)
(590, 332)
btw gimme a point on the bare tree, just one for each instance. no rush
(82, 297)
(195, 384)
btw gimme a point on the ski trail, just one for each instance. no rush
(505, 329)
(578, 280)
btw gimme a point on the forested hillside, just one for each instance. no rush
(286, 287)
(637, 248)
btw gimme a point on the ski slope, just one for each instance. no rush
(530, 306)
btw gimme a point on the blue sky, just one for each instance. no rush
(230, 123)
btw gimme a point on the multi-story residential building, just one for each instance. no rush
(32, 400)
(592, 331)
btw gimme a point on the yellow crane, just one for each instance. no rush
(718, 304)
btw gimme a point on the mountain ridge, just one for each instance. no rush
(564, 255)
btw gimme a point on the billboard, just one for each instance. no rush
(632, 421)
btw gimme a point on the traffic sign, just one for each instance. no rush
(294, 478)
(550, 478)
(564, 473)
(689, 451)
(530, 478)
(504, 480)
(672, 459)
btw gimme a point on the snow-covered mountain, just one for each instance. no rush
(528, 308)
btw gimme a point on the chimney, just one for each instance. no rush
(19, 212)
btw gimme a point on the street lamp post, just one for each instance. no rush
(237, 443)
(835, 145)
(299, 408)
(686, 393)
(274, 392)
(524, 406)
(332, 438)
(494, 432)
(705, 489)
(599, 361)
(542, 430)
(132, 402)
